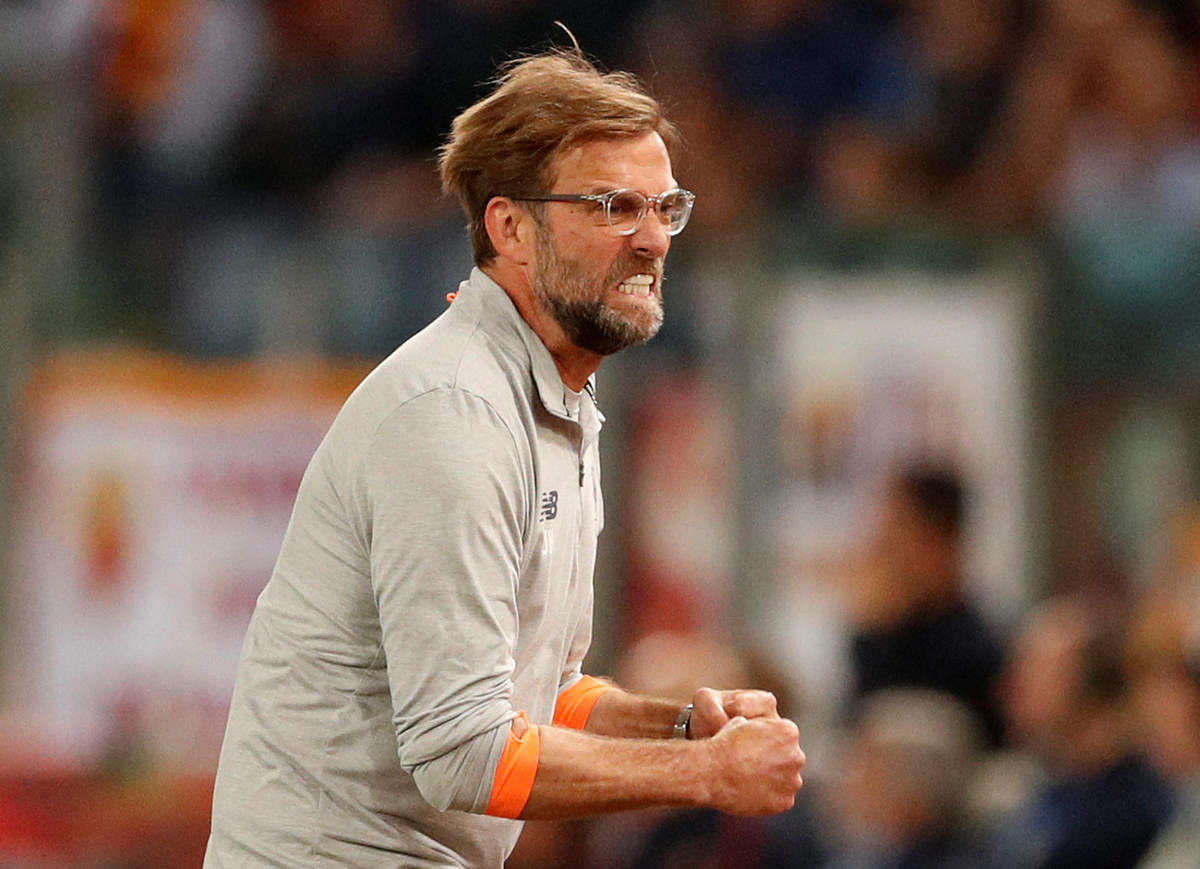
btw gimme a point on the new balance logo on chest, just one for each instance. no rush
(549, 505)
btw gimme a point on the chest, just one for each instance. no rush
(566, 517)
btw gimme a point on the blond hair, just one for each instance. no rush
(542, 106)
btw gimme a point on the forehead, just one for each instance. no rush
(639, 162)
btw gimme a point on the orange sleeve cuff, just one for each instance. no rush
(575, 704)
(515, 773)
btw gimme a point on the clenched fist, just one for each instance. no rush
(712, 710)
(756, 766)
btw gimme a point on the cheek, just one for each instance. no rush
(600, 268)
(1033, 696)
(1165, 710)
(592, 276)
(587, 254)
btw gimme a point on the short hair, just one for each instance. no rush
(937, 494)
(1102, 673)
(542, 105)
(932, 741)
(1096, 628)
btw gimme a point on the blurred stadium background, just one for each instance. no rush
(963, 232)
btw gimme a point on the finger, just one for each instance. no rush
(708, 714)
(751, 704)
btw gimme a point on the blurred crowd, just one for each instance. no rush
(240, 145)
(259, 177)
(1072, 740)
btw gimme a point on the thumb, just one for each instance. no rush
(735, 721)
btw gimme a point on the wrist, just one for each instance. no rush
(706, 768)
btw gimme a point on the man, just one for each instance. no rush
(907, 769)
(411, 680)
(913, 625)
(1067, 697)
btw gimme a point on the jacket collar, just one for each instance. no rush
(489, 299)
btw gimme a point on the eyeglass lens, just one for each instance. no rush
(627, 208)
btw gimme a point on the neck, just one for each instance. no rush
(575, 365)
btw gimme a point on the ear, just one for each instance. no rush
(510, 228)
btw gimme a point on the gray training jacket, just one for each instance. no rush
(435, 579)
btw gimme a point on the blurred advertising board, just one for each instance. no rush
(149, 496)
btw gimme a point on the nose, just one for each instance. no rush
(651, 239)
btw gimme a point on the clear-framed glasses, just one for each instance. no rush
(625, 209)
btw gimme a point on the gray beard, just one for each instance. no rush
(592, 326)
(588, 323)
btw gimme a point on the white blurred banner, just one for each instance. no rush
(149, 499)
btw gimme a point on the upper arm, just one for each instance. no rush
(447, 493)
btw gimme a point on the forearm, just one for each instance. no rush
(635, 716)
(750, 767)
(632, 716)
(580, 773)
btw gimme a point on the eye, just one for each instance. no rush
(673, 205)
(625, 205)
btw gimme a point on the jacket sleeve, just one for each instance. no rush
(447, 503)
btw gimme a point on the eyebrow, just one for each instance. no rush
(598, 188)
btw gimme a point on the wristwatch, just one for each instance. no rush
(683, 723)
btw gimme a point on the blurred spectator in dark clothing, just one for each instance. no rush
(1126, 209)
(1066, 695)
(792, 66)
(1163, 662)
(903, 783)
(1096, 142)
(168, 84)
(704, 839)
(1053, 80)
(912, 624)
(962, 54)
(266, 168)
(356, 79)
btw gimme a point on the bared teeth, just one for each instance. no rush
(638, 285)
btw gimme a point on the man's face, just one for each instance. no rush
(603, 290)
